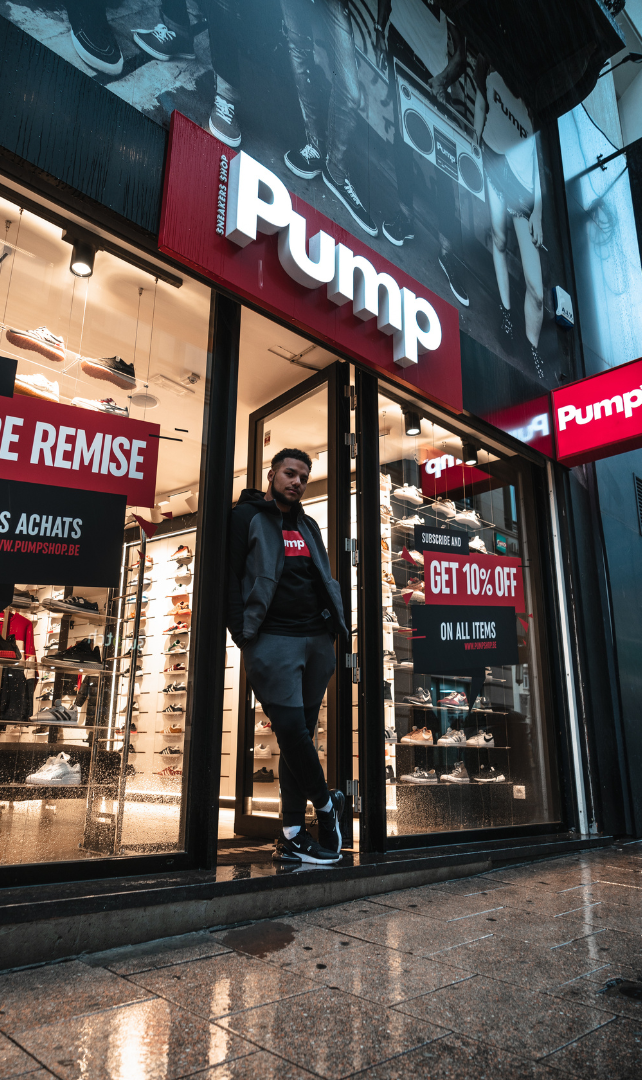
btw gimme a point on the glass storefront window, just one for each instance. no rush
(95, 713)
(468, 744)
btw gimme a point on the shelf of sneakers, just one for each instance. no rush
(388, 589)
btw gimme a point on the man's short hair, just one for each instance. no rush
(298, 455)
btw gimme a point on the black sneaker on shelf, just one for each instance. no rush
(390, 774)
(223, 123)
(399, 229)
(449, 266)
(330, 823)
(173, 750)
(346, 194)
(130, 651)
(387, 693)
(127, 671)
(306, 162)
(420, 697)
(81, 652)
(93, 39)
(261, 776)
(493, 775)
(110, 368)
(165, 42)
(302, 848)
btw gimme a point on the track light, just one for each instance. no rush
(469, 453)
(82, 258)
(412, 422)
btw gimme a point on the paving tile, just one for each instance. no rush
(439, 904)
(468, 886)
(416, 934)
(523, 1021)
(609, 947)
(537, 967)
(151, 1041)
(457, 1058)
(330, 1033)
(223, 984)
(587, 991)
(379, 974)
(615, 1051)
(537, 929)
(550, 903)
(286, 941)
(339, 914)
(609, 893)
(150, 960)
(603, 915)
(14, 1061)
(549, 876)
(37, 996)
(258, 1066)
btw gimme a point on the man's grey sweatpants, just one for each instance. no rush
(289, 676)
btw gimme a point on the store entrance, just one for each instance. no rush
(313, 416)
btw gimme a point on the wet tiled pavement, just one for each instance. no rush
(531, 971)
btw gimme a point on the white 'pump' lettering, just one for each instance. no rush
(258, 201)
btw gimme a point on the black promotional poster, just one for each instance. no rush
(377, 112)
(462, 640)
(53, 535)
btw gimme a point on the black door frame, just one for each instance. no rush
(339, 735)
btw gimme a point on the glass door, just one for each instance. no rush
(315, 417)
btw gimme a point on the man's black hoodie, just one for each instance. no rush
(256, 564)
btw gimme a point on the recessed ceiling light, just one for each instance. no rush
(144, 401)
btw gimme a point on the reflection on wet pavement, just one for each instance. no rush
(529, 971)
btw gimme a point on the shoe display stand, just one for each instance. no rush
(440, 804)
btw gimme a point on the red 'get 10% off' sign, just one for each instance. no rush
(475, 579)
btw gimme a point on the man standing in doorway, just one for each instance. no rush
(284, 609)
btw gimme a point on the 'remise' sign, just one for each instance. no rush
(600, 416)
(61, 445)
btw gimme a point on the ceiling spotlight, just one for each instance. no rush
(82, 258)
(412, 422)
(469, 453)
(192, 501)
(155, 514)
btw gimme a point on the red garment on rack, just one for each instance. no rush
(22, 630)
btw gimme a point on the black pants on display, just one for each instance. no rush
(289, 676)
(224, 22)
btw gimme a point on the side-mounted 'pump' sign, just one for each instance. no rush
(220, 214)
(599, 416)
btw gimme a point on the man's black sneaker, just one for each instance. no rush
(330, 824)
(302, 848)
(223, 123)
(398, 230)
(537, 360)
(93, 39)
(166, 42)
(306, 162)
(506, 324)
(81, 652)
(449, 266)
(111, 369)
(346, 193)
(261, 776)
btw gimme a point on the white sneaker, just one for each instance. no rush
(482, 738)
(414, 519)
(56, 772)
(262, 751)
(41, 341)
(444, 508)
(106, 405)
(477, 544)
(451, 738)
(37, 386)
(468, 517)
(408, 493)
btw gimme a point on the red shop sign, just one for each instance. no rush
(68, 447)
(220, 213)
(600, 416)
(474, 580)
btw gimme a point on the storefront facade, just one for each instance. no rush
(176, 310)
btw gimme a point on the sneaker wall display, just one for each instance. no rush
(469, 750)
(108, 337)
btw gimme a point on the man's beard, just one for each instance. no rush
(280, 496)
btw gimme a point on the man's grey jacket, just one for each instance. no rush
(257, 555)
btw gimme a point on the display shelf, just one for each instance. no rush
(449, 746)
(78, 614)
(161, 753)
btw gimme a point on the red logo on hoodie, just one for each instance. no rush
(294, 543)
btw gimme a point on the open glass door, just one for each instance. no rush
(314, 416)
